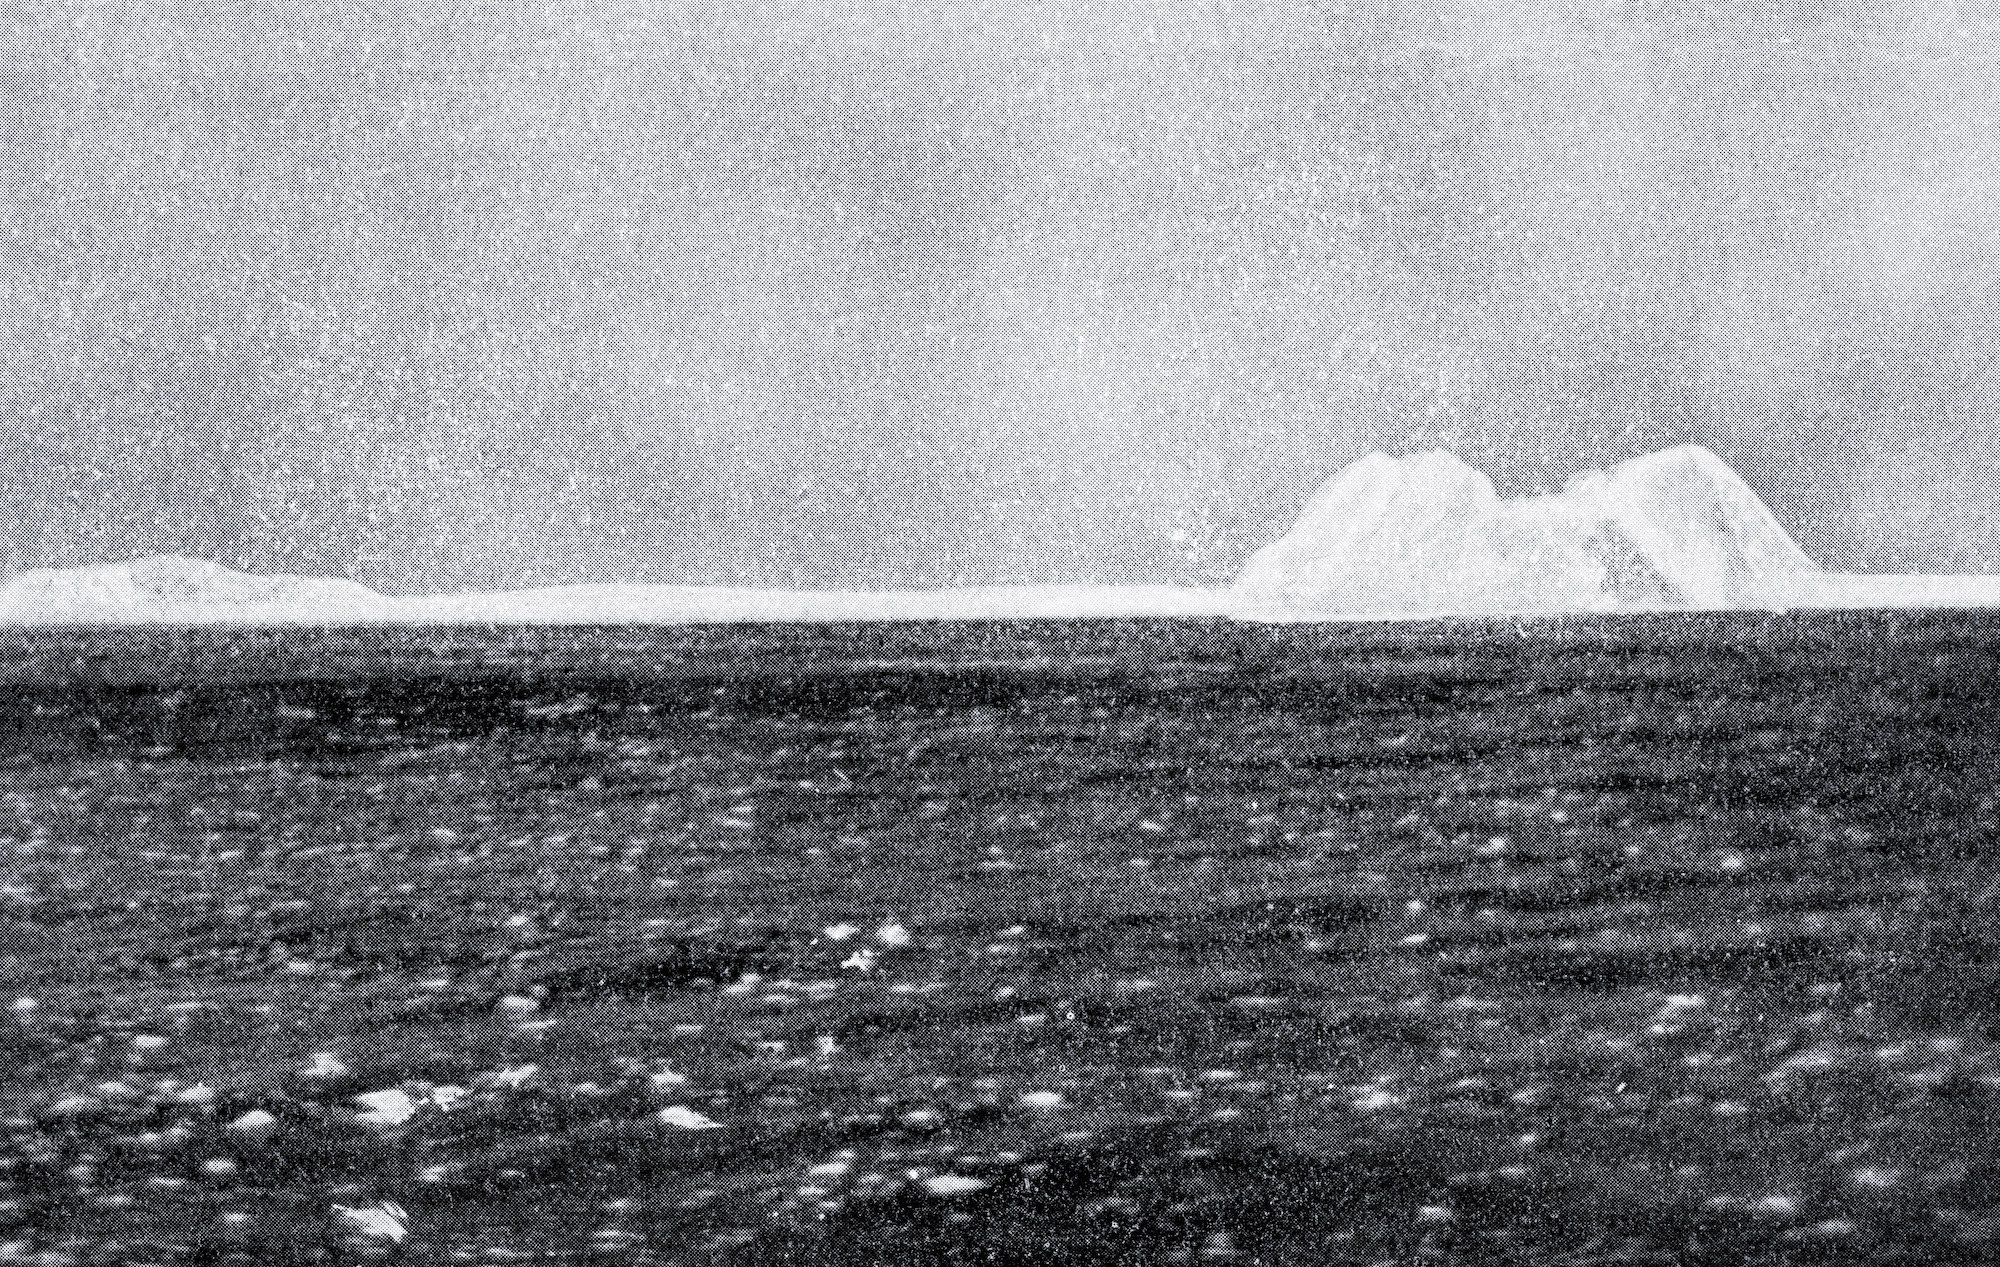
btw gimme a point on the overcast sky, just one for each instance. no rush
(925, 291)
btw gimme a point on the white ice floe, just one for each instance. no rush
(387, 1221)
(952, 1185)
(688, 1119)
(513, 1077)
(893, 935)
(391, 1107)
(254, 1125)
(325, 1067)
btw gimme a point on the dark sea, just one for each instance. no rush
(1588, 940)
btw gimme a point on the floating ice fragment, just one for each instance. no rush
(325, 1067)
(893, 934)
(514, 1077)
(839, 932)
(256, 1124)
(392, 1107)
(861, 960)
(1375, 1099)
(687, 1119)
(387, 1221)
(952, 1185)
(1043, 1099)
(200, 1095)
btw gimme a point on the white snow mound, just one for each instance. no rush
(1428, 535)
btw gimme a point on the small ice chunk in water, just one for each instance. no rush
(839, 932)
(514, 1077)
(325, 1067)
(1375, 1099)
(893, 934)
(392, 1107)
(256, 1124)
(688, 1120)
(387, 1221)
(952, 1185)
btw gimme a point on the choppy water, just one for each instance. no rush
(1581, 937)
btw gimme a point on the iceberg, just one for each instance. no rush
(1428, 535)
(1422, 536)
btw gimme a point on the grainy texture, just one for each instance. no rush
(1576, 941)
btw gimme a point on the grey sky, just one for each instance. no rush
(921, 291)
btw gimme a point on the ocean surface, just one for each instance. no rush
(1639, 939)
